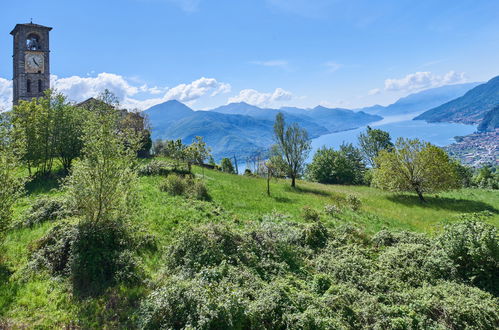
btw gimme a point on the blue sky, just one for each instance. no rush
(266, 52)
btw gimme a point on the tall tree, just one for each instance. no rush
(415, 166)
(102, 184)
(292, 146)
(11, 183)
(372, 142)
(226, 166)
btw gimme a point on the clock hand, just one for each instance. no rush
(34, 61)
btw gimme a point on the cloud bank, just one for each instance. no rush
(254, 97)
(423, 80)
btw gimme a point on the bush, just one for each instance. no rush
(45, 209)
(177, 185)
(354, 202)
(473, 246)
(174, 184)
(101, 257)
(315, 235)
(53, 251)
(390, 238)
(199, 191)
(154, 167)
(94, 255)
(310, 214)
(332, 210)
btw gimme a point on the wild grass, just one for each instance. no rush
(46, 302)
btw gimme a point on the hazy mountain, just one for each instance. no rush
(314, 129)
(164, 113)
(422, 101)
(490, 121)
(227, 135)
(316, 121)
(469, 108)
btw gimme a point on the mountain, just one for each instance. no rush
(490, 121)
(314, 129)
(167, 112)
(422, 101)
(316, 121)
(337, 119)
(227, 135)
(469, 108)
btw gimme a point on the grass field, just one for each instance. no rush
(46, 302)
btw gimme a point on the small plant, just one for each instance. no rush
(310, 214)
(354, 202)
(174, 184)
(45, 209)
(332, 210)
(199, 191)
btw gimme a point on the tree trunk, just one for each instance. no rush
(420, 195)
(293, 184)
(268, 184)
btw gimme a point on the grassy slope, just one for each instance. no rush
(46, 302)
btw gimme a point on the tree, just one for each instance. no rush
(337, 167)
(372, 142)
(226, 166)
(139, 124)
(292, 146)
(12, 185)
(52, 128)
(416, 166)
(272, 169)
(102, 184)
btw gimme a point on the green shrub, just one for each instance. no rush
(310, 214)
(53, 251)
(154, 167)
(473, 246)
(415, 264)
(315, 235)
(101, 257)
(174, 184)
(332, 210)
(45, 209)
(198, 190)
(391, 238)
(354, 202)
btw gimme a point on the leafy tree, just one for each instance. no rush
(372, 142)
(101, 185)
(226, 166)
(464, 173)
(52, 128)
(198, 151)
(344, 166)
(416, 166)
(487, 177)
(292, 146)
(10, 182)
(137, 122)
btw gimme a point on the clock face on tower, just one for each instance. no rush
(34, 62)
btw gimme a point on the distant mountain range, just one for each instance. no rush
(422, 101)
(241, 129)
(467, 109)
(490, 121)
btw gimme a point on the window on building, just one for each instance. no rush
(40, 85)
(28, 86)
(33, 42)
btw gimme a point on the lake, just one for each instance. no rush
(440, 134)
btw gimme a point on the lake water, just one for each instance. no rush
(440, 134)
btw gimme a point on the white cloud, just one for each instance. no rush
(257, 98)
(333, 66)
(423, 80)
(78, 89)
(272, 63)
(5, 94)
(374, 91)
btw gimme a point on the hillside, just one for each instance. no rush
(238, 208)
(469, 108)
(490, 121)
(422, 101)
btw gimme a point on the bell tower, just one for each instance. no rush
(31, 61)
